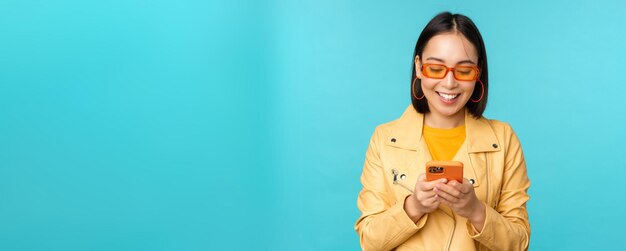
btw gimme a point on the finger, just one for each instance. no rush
(466, 187)
(446, 196)
(430, 202)
(456, 185)
(419, 185)
(453, 183)
(442, 200)
(429, 185)
(453, 189)
(423, 196)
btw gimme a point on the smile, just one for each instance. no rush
(448, 97)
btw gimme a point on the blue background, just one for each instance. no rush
(195, 125)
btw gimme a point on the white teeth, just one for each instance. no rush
(448, 96)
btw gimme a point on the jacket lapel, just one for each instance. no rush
(480, 139)
(479, 135)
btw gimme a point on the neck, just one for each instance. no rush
(436, 120)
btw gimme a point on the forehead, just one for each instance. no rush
(451, 48)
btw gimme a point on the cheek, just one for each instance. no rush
(469, 90)
(428, 85)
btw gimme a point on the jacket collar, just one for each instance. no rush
(479, 135)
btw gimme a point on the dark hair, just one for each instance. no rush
(448, 22)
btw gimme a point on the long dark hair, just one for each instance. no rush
(447, 22)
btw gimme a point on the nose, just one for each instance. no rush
(449, 80)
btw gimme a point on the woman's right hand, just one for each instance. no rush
(424, 200)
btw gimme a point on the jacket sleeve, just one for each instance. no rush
(383, 224)
(506, 226)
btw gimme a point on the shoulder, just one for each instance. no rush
(499, 126)
(387, 127)
(384, 131)
(503, 131)
(410, 120)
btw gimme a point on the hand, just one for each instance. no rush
(424, 200)
(461, 198)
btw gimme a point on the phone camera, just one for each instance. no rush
(435, 169)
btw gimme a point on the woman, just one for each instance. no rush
(449, 90)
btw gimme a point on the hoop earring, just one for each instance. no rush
(481, 93)
(413, 90)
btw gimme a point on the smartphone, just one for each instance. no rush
(451, 170)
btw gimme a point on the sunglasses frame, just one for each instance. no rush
(448, 69)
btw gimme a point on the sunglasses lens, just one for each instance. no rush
(434, 71)
(465, 73)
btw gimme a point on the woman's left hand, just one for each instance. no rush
(461, 198)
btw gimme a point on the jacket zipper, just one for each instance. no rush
(487, 179)
(452, 234)
(480, 247)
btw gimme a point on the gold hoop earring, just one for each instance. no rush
(413, 90)
(481, 93)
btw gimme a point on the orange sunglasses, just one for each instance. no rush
(461, 72)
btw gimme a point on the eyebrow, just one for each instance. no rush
(460, 62)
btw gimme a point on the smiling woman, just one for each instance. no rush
(487, 210)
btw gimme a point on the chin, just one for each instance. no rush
(448, 111)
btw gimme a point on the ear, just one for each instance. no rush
(418, 67)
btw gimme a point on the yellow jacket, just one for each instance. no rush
(492, 158)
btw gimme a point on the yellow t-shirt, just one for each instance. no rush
(444, 143)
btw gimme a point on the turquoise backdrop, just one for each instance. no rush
(218, 125)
